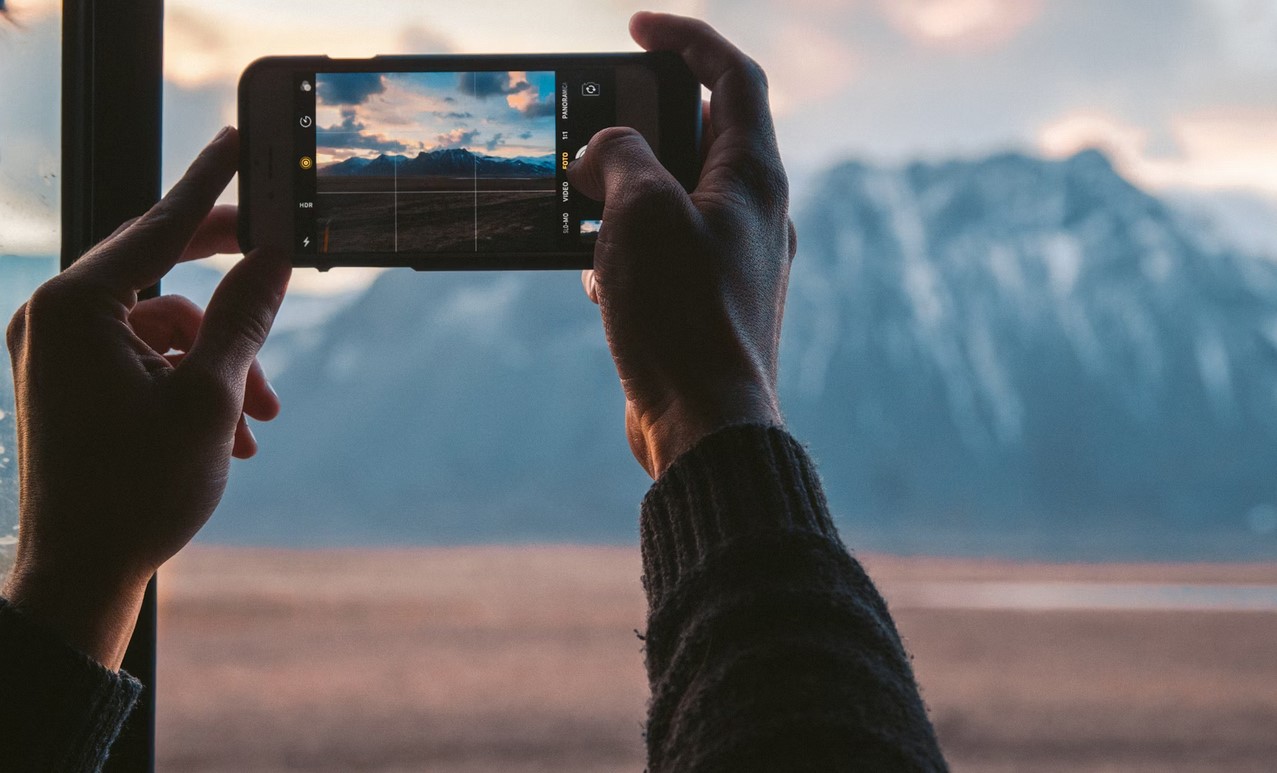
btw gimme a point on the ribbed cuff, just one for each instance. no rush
(736, 481)
(66, 708)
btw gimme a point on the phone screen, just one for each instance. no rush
(446, 162)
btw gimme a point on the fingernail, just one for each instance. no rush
(576, 160)
(225, 130)
(271, 388)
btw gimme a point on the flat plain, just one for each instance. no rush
(436, 214)
(527, 659)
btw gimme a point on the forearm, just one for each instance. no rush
(60, 710)
(768, 647)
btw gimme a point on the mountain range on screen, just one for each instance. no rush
(444, 162)
(1007, 356)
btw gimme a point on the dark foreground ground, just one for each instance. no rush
(357, 214)
(525, 659)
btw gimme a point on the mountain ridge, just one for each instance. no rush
(445, 162)
(1009, 355)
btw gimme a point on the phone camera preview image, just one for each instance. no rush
(435, 162)
(589, 230)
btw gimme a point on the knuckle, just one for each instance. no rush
(185, 305)
(753, 72)
(49, 299)
(765, 179)
(16, 329)
(701, 28)
(62, 299)
(254, 327)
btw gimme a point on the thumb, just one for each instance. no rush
(639, 197)
(617, 160)
(239, 316)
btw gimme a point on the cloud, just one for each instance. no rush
(453, 115)
(497, 140)
(827, 66)
(199, 44)
(1204, 150)
(350, 134)
(422, 40)
(961, 23)
(1080, 131)
(491, 84)
(527, 98)
(525, 135)
(348, 88)
(538, 108)
(457, 138)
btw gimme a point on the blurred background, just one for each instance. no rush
(1031, 339)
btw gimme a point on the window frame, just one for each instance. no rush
(112, 86)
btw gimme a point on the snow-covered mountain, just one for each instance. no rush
(1011, 356)
(1033, 356)
(443, 162)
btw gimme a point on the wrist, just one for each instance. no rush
(93, 616)
(669, 433)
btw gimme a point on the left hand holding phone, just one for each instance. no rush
(128, 412)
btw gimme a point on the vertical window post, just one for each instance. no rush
(112, 79)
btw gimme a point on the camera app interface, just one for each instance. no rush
(434, 162)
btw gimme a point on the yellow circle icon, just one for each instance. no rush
(306, 162)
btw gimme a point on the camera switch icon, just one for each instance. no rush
(590, 89)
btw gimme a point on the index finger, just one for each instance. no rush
(737, 83)
(144, 251)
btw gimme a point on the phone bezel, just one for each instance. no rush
(678, 128)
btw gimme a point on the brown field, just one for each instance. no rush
(525, 659)
(363, 214)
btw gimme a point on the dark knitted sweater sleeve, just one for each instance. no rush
(768, 648)
(59, 709)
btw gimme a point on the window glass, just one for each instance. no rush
(1030, 339)
(30, 189)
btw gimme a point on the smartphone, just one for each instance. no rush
(446, 162)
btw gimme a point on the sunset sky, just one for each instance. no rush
(1181, 93)
(503, 114)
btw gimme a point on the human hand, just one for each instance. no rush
(128, 411)
(692, 287)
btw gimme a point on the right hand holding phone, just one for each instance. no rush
(691, 287)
